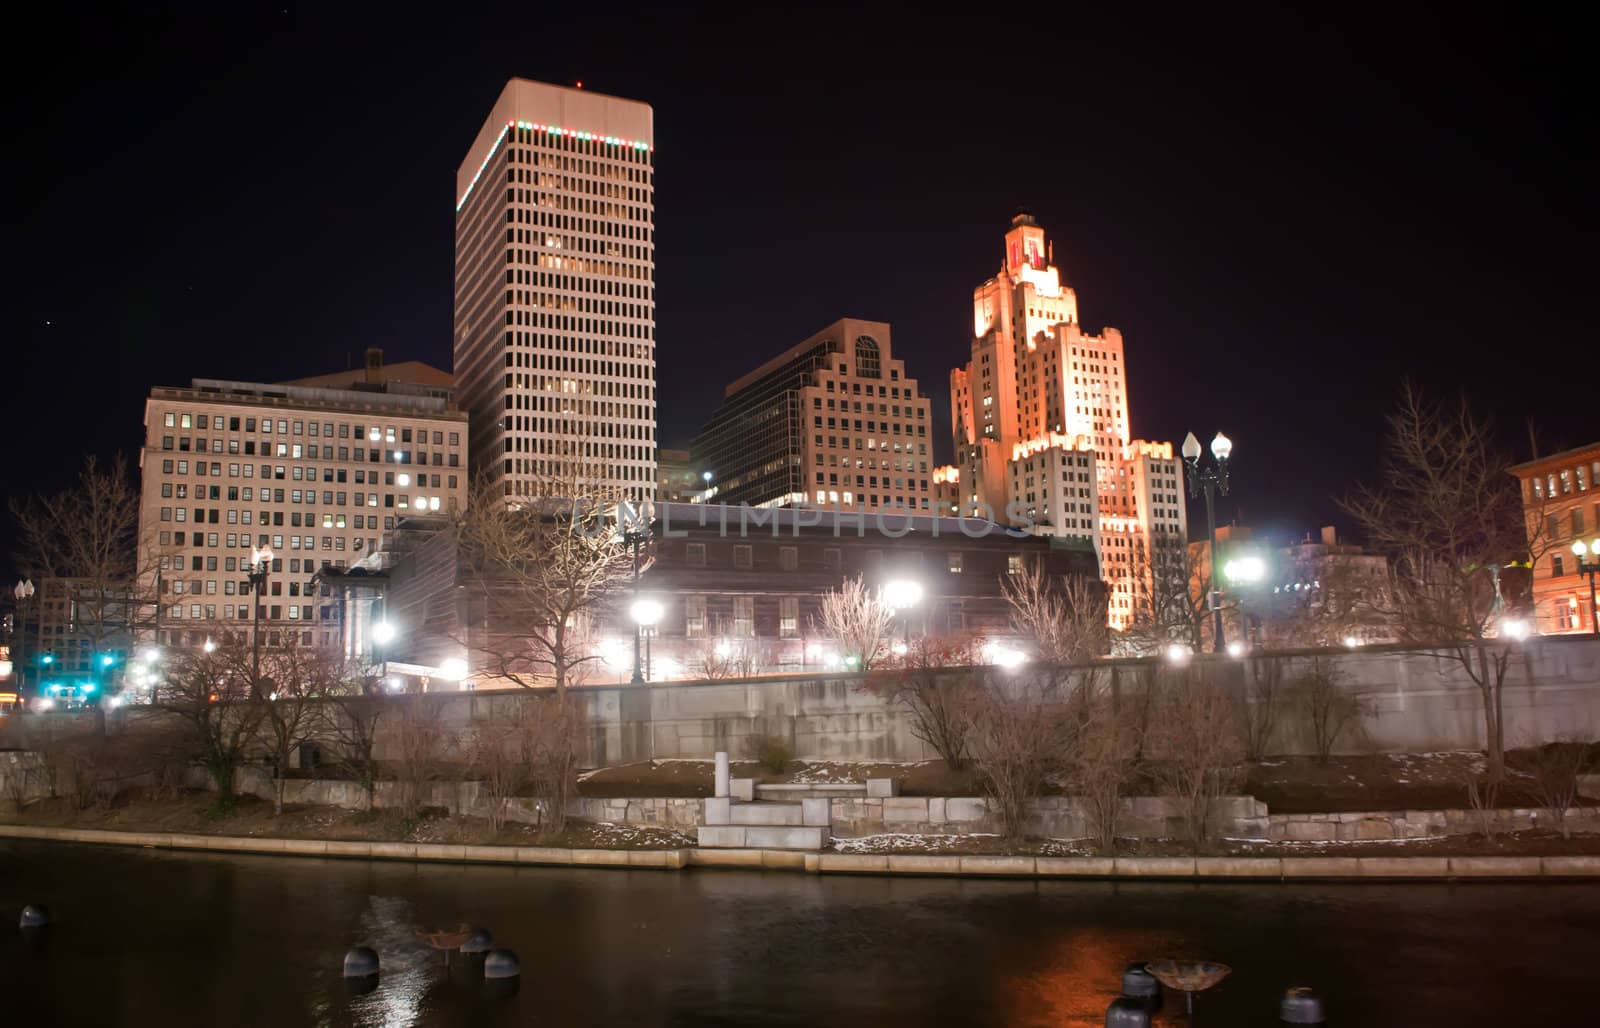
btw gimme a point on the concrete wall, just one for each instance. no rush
(1414, 701)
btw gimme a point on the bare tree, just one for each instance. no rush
(1064, 619)
(421, 743)
(1020, 736)
(937, 684)
(554, 727)
(1328, 708)
(540, 569)
(1103, 763)
(1554, 770)
(351, 724)
(1173, 608)
(1196, 750)
(718, 655)
(295, 682)
(498, 754)
(83, 545)
(208, 693)
(1448, 515)
(1260, 702)
(861, 622)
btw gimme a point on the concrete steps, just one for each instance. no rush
(732, 824)
(812, 790)
(773, 837)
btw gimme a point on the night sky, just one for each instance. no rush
(1283, 216)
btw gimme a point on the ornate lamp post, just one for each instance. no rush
(23, 591)
(1590, 567)
(1212, 481)
(902, 594)
(635, 533)
(1242, 574)
(645, 613)
(260, 565)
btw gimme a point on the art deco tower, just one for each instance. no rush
(1041, 423)
(555, 292)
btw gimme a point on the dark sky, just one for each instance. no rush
(1284, 215)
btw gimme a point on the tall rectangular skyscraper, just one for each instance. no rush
(555, 293)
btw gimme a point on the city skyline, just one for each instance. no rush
(1372, 286)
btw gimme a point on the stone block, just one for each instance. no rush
(1572, 867)
(1589, 786)
(742, 789)
(883, 787)
(936, 810)
(1156, 867)
(905, 808)
(766, 814)
(1404, 867)
(1012, 866)
(717, 810)
(491, 854)
(1496, 867)
(543, 855)
(965, 808)
(1371, 829)
(1238, 867)
(818, 813)
(922, 864)
(726, 858)
(1321, 867)
(786, 837)
(1310, 831)
(306, 847)
(784, 860)
(727, 836)
(1075, 867)
(852, 862)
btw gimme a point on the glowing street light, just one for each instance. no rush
(1211, 481)
(383, 633)
(453, 669)
(645, 613)
(210, 646)
(1515, 628)
(1178, 653)
(1236, 649)
(900, 595)
(1590, 568)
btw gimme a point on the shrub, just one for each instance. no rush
(1555, 769)
(1328, 709)
(772, 752)
(1020, 737)
(1198, 750)
(939, 699)
(1101, 766)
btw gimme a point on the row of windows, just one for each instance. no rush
(1581, 477)
(346, 430)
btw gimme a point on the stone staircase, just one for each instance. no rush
(742, 816)
(763, 824)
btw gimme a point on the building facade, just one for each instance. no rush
(677, 481)
(1561, 505)
(1042, 430)
(316, 475)
(740, 591)
(832, 421)
(555, 293)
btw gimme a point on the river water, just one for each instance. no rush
(154, 938)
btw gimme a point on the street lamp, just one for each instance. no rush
(635, 533)
(23, 591)
(1589, 568)
(382, 635)
(260, 565)
(901, 594)
(1244, 573)
(1212, 481)
(645, 613)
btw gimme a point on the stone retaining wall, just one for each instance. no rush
(1366, 826)
(1192, 868)
(1051, 817)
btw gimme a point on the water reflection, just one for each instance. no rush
(179, 939)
